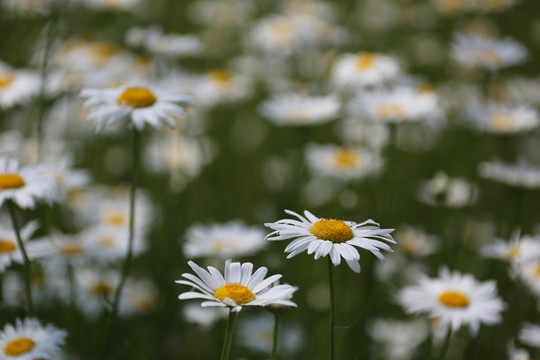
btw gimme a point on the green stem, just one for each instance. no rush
(276, 333)
(228, 335)
(27, 263)
(446, 344)
(332, 308)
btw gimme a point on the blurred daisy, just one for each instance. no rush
(155, 42)
(520, 175)
(495, 5)
(95, 289)
(72, 249)
(453, 6)
(25, 186)
(342, 162)
(399, 339)
(396, 105)
(42, 284)
(518, 354)
(365, 133)
(364, 69)
(203, 316)
(414, 241)
(139, 296)
(16, 86)
(112, 5)
(477, 51)
(29, 340)
(105, 244)
(221, 13)
(238, 287)
(141, 105)
(455, 300)
(444, 191)
(530, 335)
(529, 273)
(330, 237)
(9, 249)
(257, 334)
(300, 110)
(221, 86)
(501, 119)
(228, 240)
(519, 249)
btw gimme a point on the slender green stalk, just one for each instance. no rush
(228, 335)
(27, 263)
(332, 309)
(276, 337)
(446, 344)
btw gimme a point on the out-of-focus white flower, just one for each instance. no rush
(414, 241)
(399, 104)
(444, 191)
(228, 240)
(17, 86)
(32, 7)
(112, 5)
(205, 317)
(221, 86)
(300, 109)
(518, 249)
(453, 6)
(477, 51)
(342, 162)
(520, 175)
(530, 335)
(364, 133)
(41, 283)
(154, 41)
(398, 340)
(518, 354)
(524, 90)
(257, 335)
(139, 296)
(501, 119)
(398, 269)
(364, 69)
(529, 273)
(93, 288)
(221, 13)
(9, 248)
(314, 8)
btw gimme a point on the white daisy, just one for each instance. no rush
(9, 249)
(238, 287)
(414, 241)
(502, 119)
(364, 69)
(530, 335)
(139, 296)
(477, 51)
(220, 86)
(444, 191)
(529, 273)
(396, 105)
(25, 186)
(42, 285)
(520, 175)
(29, 340)
(365, 133)
(518, 354)
(140, 104)
(518, 249)
(300, 110)
(398, 340)
(203, 316)
(221, 13)
(93, 288)
(17, 86)
(455, 300)
(108, 245)
(227, 240)
(155, 42)
(342, 162)
(330, 237)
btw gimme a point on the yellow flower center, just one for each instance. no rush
(514, 252)
(490, 57)
(106, 241)
(103, 51)
(346, 158)
(11, 181)
(19, 346)
(409, 243)
(221, 76)
(335, 231)
(100, 289)
(6, 79)
(6, 246)
(365, 61)
(115, 219)
(142, 304)
(137, 97)
(71, 249)
(238, 293)
(454, 299)
(537, 272)
(390, 110)
(502, 121)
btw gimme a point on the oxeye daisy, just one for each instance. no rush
(331, 237)
(455, 300)
(142, 105)
(237, 288)
(29, 340)
(530, 335)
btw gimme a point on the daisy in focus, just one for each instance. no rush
(455, 300)
(29, 340)
(364, 69)
(330, 237)
(141, 105)
(25, 186)
(238, 287)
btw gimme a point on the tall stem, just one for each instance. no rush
(228, 336)
(446, 344)
(27, 263)
(332, 309)
(276, 337)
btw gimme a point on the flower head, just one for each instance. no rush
(238, 287)
(330, 237)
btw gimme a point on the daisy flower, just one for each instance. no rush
(205, 317)
(93, 287)
(482, 52)
(529, 273)
(399, 339)
(455, 300)
(518, 249)
(501, 119)
(25, 186)
(231, 239)
(142, 105)
(9, 249)
(139, 296)
(29, 340)
(16, 86)
(414, 241)
(441, 190)
(170, 45)
(364, 69)
(530, 335)
(520, 175)
(237, 288)
(330, 237)
(300, 110)
(221, 86)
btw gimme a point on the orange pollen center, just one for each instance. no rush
(103, 51)
(454, 299)
(502, 121)
(365, 61)
(100, 289)
(6, 246)
(490, 57)
(116, 219)
(236, 292)
(19, 346)
(335, 231)
(137, 97)
(221, 76)
(346, 158)
(537, 272)
(11, 181)
(71, 249)
(6, 79)
(390, 110)
(514, 252)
